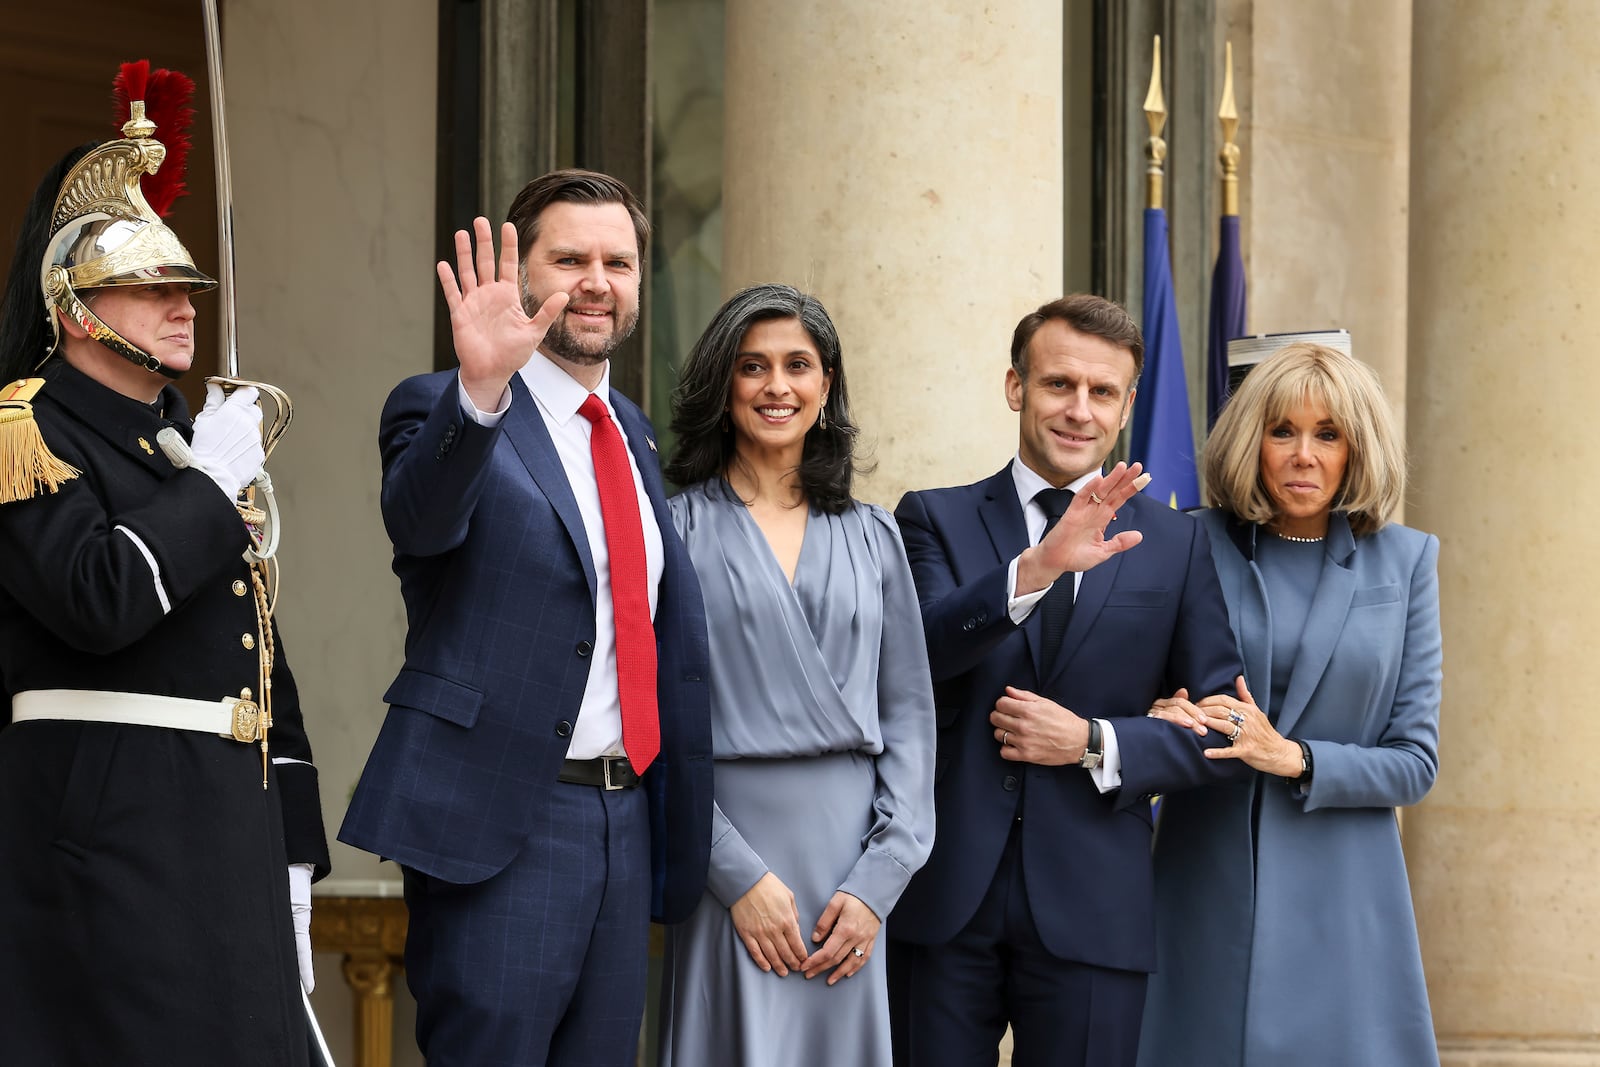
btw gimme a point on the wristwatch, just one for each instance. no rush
(1095, 750)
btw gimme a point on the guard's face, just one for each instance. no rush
(157, 318)
(1074, 402)
(589, 252)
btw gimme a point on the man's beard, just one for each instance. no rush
(580, 349)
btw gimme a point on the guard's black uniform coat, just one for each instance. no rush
(144, 912)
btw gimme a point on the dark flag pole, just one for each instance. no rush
(1227, 280)
(1163, 435)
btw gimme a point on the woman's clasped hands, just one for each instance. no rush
(1251, 735)
(768, 922)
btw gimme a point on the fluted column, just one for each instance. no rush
(1504, 381)
(903, 161)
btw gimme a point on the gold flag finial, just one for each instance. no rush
(1155, 150)
(1228, 114)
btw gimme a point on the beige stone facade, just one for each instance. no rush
(1419, 174)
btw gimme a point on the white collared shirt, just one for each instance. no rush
(1108, 775)
(598, 730)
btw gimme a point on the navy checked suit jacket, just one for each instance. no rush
(1144, 623)
(499, 588)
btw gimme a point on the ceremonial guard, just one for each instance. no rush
(157, 840)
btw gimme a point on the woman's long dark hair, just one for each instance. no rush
(705, 446)
(24, 323)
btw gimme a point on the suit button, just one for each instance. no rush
(450, 433)
(970, 624)
(1009, 784)
(584, 648)
(563, 728)
(238, 588)
(248, 640)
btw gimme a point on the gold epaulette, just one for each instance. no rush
(26, 462)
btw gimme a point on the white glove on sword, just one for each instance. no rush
(227, 440)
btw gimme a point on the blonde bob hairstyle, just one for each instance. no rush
(1374, 477)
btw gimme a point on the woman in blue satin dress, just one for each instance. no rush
(822, 706)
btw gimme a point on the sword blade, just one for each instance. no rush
(219, 143)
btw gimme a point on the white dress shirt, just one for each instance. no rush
(1108, 775)
(598, 730)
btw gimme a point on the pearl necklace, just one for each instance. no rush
(1297, 540)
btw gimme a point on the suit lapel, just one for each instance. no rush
(1001, 514)
(525, 429)
(642, 443)
(1330, 606)
(1092, 593)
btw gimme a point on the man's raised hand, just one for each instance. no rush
(492, 332)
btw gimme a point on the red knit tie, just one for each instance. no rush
(630, 594)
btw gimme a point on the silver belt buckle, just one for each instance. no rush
(606, 763)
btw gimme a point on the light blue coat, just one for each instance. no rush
(1296, 943)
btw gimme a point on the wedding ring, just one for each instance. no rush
(858, 953)
(1005, 738)
(1237, 730)
(1096, 498)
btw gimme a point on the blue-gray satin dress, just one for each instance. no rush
(823, 732)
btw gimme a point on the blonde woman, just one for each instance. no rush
(1286, 933)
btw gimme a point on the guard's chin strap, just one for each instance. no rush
(85, 317)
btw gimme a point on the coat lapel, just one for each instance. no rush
(1330, 606)
(642, 443)
(1249, 611)
(1092, 593)
(526, 431)
(1002, 517)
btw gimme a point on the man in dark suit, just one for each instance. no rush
(1035, 908)
(556, 643)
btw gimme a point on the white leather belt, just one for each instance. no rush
(229, 717)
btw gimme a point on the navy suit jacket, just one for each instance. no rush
(499, 589)
(1143, 624)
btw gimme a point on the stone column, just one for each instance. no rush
(903, 161)
(1325, 184)
(1505, 853)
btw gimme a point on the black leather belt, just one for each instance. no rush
(607, 772)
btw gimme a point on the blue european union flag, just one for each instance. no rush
(1227, 315)
(1163, 438)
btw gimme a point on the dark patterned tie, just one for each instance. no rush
(1055, 610)
(630, 594)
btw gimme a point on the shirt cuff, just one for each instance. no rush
(1020, 607)
(489, 419)
(1108, 775)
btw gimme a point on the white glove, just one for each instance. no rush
(227, 438)
(300, 915)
